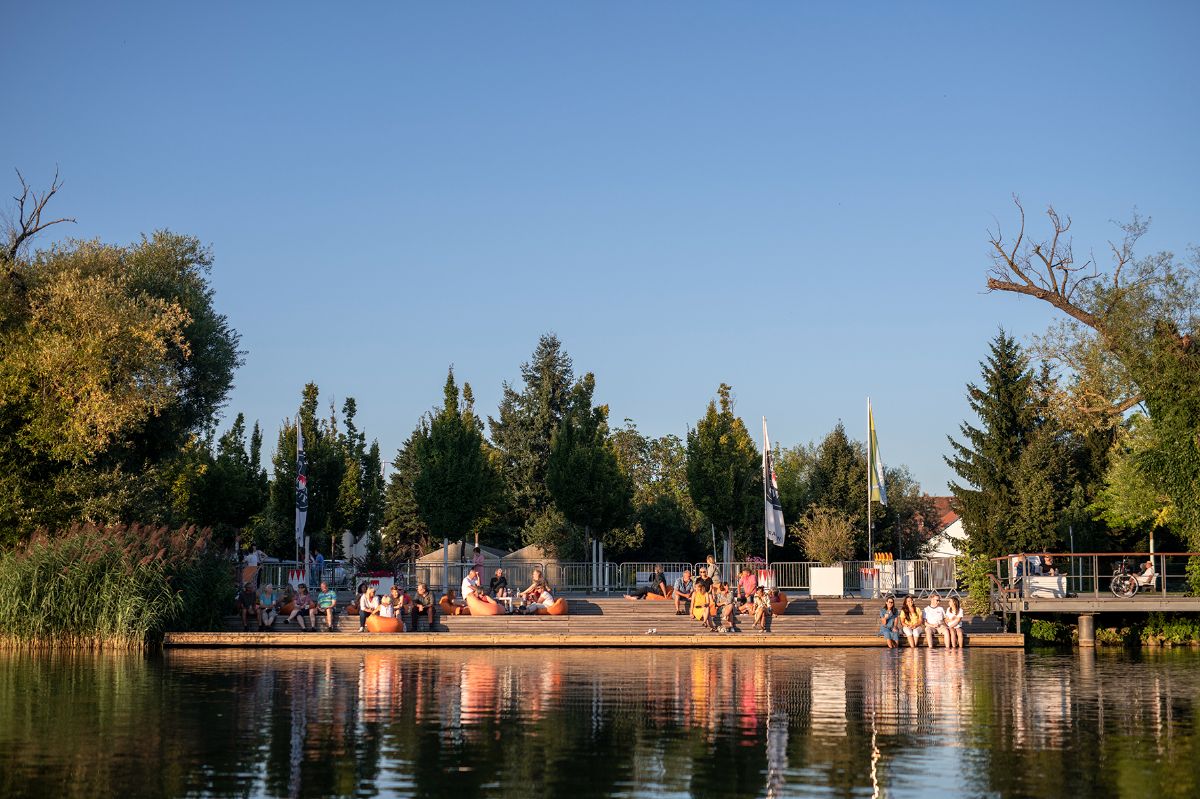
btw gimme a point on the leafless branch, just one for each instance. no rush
(30, 207)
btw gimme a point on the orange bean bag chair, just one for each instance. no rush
(557, 608)
(660, 597)
(381, 624)
(485, 606)
(779, 603)
(287, 609)
(450, 609)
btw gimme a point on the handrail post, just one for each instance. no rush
(1096, 576)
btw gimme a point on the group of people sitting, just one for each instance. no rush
(910, 620)
(537, 596)
(713, 602)
(268, 605)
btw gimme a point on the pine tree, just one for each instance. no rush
(989, 462)
(525, 426)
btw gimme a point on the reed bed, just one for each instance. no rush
(111, 587)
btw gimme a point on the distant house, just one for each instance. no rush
(948, 541)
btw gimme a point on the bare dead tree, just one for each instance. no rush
(1047, 270)
(29, 222)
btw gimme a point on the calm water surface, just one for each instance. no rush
(536, 723)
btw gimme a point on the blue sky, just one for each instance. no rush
(789, 197)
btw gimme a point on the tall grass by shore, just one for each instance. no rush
(111, 587)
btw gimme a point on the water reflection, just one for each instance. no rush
(700, 723)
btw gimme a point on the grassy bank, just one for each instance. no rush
(111, 587)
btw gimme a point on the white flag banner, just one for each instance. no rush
(301, 485)
(772, 508)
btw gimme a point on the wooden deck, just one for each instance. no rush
(1092, 603)
(604, 623)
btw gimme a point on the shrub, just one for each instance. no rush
(974, 575)
(111, 587)
(1050, 632)
(1170, 630)
(827, 535)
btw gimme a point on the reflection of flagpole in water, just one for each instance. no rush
(777, 740)
(875, 794)
(299, 727)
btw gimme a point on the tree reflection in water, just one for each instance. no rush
(600, 723)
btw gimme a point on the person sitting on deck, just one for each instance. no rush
(536, 586)
(422, 605)
(543, 600)
(954, 620)
(498, 585)
(326, 603)
(470, 585)
(301, 607)
(910, 621)
(1146, 576)
(746, 586)
(368, 605)
(682, 590)
(726, 608)
(703, 610)
(386, 609)
(761, 608)
(247, 604)
(706, 579)
(267, 607)
(657, 585)
(935, 621)
(889, 618)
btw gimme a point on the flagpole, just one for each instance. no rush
(870, 477)
(766, 528)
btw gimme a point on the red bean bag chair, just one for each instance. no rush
(779, 603)
(381, 624)
(450, 609)
(557, 608)
(484, 606)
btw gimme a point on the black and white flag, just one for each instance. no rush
(771, 506)
(301, 485)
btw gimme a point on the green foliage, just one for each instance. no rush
(525, 425)
(1168, 629)
(454, 480)
(833, 474)
(1025, 477)
(112, 587)
(724, 472)
(111, 358)
(1049, 632)
(345, 481)
(827, 535)
(974, 574)
(405, 535)
(1193, 576)
(665, 523)
(583, 473)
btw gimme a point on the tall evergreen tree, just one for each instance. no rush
(724, 472)
(404, 533)
(989, 461)
(454, 482)
(583, 475)
(525, 425)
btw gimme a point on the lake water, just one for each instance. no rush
(578, 723)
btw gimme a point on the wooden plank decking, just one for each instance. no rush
(604, 623)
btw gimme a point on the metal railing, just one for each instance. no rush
(1052, 574)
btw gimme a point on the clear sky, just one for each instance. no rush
(789, 197)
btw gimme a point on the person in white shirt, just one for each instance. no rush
(470, 585)
(368, 605)
(935, 620)
(544, 600)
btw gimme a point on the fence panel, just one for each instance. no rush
(634, 574)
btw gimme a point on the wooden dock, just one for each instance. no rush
(605, 622)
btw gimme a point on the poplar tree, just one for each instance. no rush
(583, 475)
(724, 472)
(454, 481)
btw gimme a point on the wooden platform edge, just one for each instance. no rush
(553, 640)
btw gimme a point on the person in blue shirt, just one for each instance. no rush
(683, 592)
(319, 570)
(326, 602)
